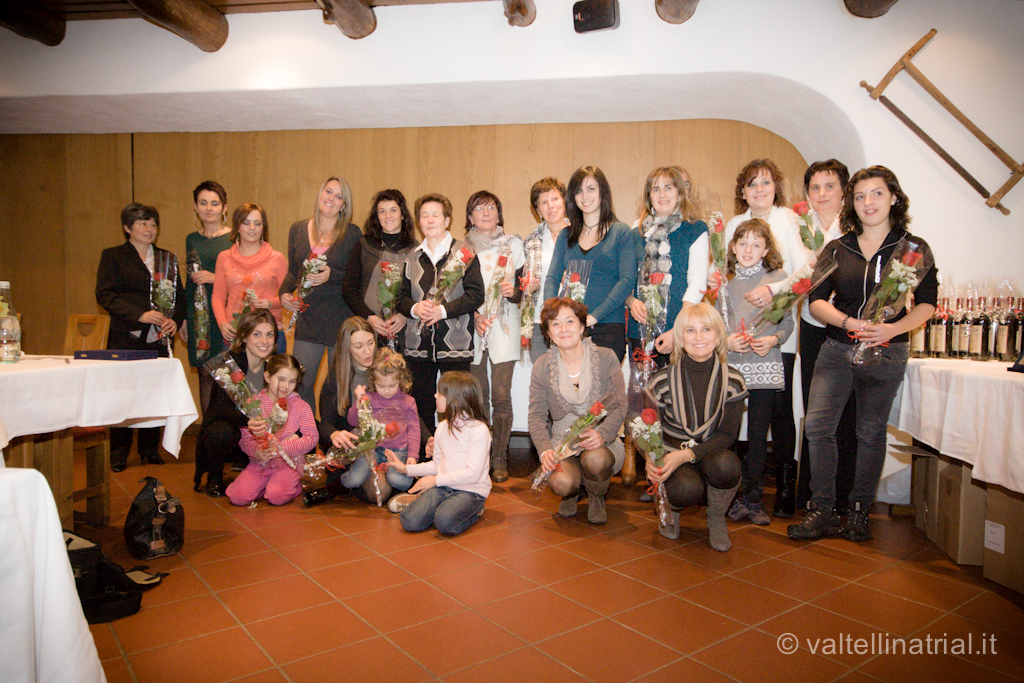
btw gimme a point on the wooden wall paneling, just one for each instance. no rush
(381, 158)
(456, 162)
(32, 236)
(523, 155)
(98, 186)
(626, 161)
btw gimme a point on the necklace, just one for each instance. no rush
(576, 375)
(589, 228)
(323, 237)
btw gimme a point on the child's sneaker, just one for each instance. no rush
(401, 501)
(737, 511)
(757, 515)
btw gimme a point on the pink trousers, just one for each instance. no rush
(278, 485)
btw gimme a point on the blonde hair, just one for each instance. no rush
(699, 313)
(387, 363)
(344, 216)
(344, 368)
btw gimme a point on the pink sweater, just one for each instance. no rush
(461, 458)
(263, 273)
(300, 420)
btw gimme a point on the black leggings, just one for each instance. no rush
(685, 486)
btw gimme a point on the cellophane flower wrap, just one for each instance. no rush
(311, 266)
(910, 261)
(388, 288)
(527, 311)
(247, 299)
(494, 302)
(232, 380)
(646, 431)
(449, 276)
(575, 280)
(370, 433)
(200, 310)
(812, 238)
(794, 290)
(163, 290)
(719, 258)
(568, 446)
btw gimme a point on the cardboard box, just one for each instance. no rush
(1004, 538)
(960, 527)
(927, 469)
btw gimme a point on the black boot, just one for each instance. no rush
(118, 460)
(215, 485)
(785, 490)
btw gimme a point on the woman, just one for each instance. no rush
(123, 285)
(211, 237)
(597, 241)
(700, 402)
(874, 220)
(221, 430)
(564, 384)
(441, 336)
(497, 320)
(823, 182)
(355, 347)
(387, 238)
(323, 310)
(759, 194)
(547, 199)
(250, 265)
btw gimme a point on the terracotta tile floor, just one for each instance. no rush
(341, 593)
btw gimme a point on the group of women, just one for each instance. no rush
(580, 274)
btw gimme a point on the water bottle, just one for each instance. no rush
(10, 329)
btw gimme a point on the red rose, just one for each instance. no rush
(385, 266)
(801, 208)
(502, 260)
(283, 402)
(158, 276)
(524, 341)
(719, 226)
(203, 345)
(237, 376)
(597, 409)
(524, 282)
(657, 278)
(802, 286)
(649, 416)
(574, 277)
(466, 255)
(912, 257)
(391, 429)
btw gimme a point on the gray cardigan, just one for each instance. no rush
(607, 386)
(758, 372)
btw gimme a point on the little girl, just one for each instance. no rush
(455, 483)
(754, 260)
(274, 479)
(388, 379)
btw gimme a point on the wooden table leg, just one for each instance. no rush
(52, 456)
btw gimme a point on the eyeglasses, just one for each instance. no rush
(481, 208)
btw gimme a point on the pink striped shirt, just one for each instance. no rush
(300, 420)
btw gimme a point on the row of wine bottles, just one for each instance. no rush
(977, 329)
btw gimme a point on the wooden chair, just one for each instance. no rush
(89, 333)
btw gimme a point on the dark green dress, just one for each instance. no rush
(208, 250)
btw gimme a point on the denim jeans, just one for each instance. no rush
(451, 511)
(359, 471)
(874, 388)
(309, 354)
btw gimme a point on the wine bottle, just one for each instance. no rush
(919, 340)
(961, 327)
(940, 331)
(1005, 335)
(977, 348)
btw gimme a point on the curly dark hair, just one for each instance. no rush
(551, 308)
(899, 218)
(772, 259)
(827, 166)
(372, 227)
(751, 171)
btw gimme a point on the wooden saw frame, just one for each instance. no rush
(904, 64)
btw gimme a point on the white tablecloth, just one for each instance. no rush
(44, 637)
(48, 394)
(969, 410)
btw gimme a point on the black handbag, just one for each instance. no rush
(155, 525)
(106, 591)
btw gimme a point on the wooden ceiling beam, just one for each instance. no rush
(29, 20)
(194, 20)
(354, 18)
(520, 12)
(675, 11)
(869, 9)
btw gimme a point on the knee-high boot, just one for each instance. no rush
(785, 490)
(596, 490)
(628, 472)
(718, 504)
(502, 429)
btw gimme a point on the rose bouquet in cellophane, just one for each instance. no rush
(568, 446)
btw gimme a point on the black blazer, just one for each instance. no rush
(122, 290)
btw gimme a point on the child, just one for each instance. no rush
(754, 261)
(388, 379)
(455, 483)
(273, 478)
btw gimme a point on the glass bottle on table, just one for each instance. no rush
(10, 328)
(959, 329)
(977, 348)
(919, 340)
(940, 331)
